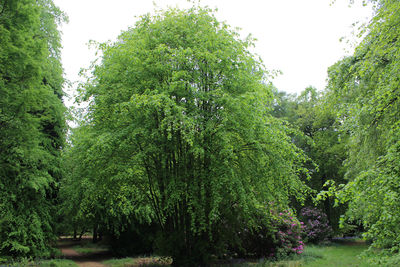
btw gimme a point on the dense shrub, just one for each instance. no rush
(288, 235)
(259, 240)
(137, 239)
(316, 225)
(276, 233)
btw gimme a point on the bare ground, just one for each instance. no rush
(83, 260)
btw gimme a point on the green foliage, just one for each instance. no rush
(364, 87)
(288, 238)
(318, 136)
(31, 125)
(259, 241)
(179, 134)
(385, 258)
(144, 235)
(56, 263)
(316, 227)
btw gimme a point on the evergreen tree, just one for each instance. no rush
(31, 125)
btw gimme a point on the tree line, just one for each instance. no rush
(186, 148)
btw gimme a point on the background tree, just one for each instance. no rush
(365, 87)
(314, 117)
(31, 125)
(74, 188)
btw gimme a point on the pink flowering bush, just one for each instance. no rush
(276, 234)
(316, 225)
(288, 237)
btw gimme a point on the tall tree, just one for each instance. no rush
(366, 89)
(180, 112)
(31, 124)
(314, 115)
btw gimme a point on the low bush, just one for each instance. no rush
(137, 239)
(288, 235)
(316, 226)
(259, 240)
(276, 236)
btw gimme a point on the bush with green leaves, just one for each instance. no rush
(256, 241)
(316, 226)
(276, 235)
(364, 88)
(288, 235)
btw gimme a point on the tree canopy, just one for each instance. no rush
(365, 90)
(180, 121)
(188, 148)
(31, 125)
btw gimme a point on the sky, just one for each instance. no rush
(301, 38)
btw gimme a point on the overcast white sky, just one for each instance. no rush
(298, 37)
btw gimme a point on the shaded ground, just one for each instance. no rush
(341, 252)
(93, 259)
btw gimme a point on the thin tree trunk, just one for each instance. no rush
(95, 234)
(80, 236)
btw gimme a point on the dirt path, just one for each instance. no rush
(83, 260)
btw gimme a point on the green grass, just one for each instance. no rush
(138, 261)
(26, 262)
(88, 248)
(336, 255)
(119, 262)
(333, 255)
(57, 263)
(85, 250)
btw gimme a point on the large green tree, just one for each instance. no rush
(31, 125)
(314, 115)
(365, 88)
(179, 111)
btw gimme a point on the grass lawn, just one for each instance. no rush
(138, 261)
(39, 263)
(87, 247)
(57, 263)
(89, 250)
(335, 255)
(343, 254)
(119, 262)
